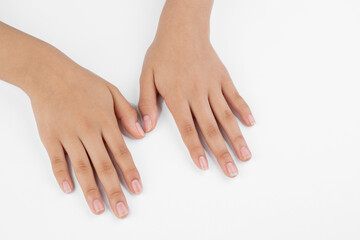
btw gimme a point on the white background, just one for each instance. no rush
(297, 65)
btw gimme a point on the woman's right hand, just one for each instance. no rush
(77, 114)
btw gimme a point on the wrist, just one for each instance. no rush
(185, 21)
(47, 71)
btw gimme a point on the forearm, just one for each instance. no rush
(187, 18)
(23, 58)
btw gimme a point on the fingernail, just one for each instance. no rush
(140, 129)
(147, 123)
(98, 206)
(245, 153)
(232, 169)
(66, 187)
(252, 120)
(121, 209)
(203, 163)
(136, 186)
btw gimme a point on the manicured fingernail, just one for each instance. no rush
(66, 187)
(121, 209)
(140, 129)
(252, 120)
(98, 206)
(136, 186)
(147, 123)
(245, 153)
(203, 163)
(232, 169)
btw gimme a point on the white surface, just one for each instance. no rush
(297, 65)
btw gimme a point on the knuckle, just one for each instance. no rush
(59, 166)
(91, 191)
(196, 149)
(130, 171)
(81, 167)
(144, 104)
(131, 112)
(123, 153)
(239, 139)
(57, 162)
(211, 131)
(224, 156)
(196, 87)
(87, 126)
(59, 172)
(106, 168)
(228, 115)
(115, 194)
(188, 129)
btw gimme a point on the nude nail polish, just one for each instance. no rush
(232, 169)
(121, 209)
(66, 187)
(136, 186)
(140, 129)
(203, 163)
(147, 123)
(251, 120)
(245, 153)
(98, 206)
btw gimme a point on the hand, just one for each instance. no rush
(76, 112)
(182, 66)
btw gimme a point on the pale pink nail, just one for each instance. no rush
(136, 186)
(252, 120)
(140, 129)
(66, 187)
(98, 206)
(203, 163)
(232, 169)
(245, 153)
(147, 123)
(121, 209)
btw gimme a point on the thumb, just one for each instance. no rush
(147, 101)
(126, 113)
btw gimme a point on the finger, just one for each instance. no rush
(226, 118)
(107, 174)
(126, 113)
(185, 123)
(147, 101)
(213, 137)
(123, 158)
(237, 102)
(59, 165)
(84, 174)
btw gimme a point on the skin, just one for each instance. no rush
(182, 66)
(77, 115)
(77, 112)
